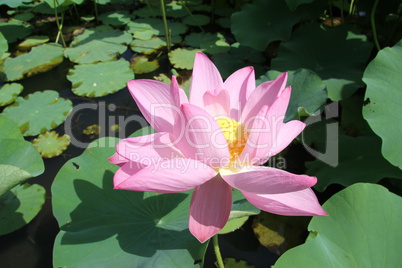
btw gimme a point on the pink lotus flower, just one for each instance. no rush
(213, 142)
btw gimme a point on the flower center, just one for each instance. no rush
(235, 135)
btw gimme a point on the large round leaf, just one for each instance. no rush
(9, 129)
(360, 160)
(14, 30)
(39, 112)
(103, 33)
(262, 22)
(384, 109)
(19, 206)
(337, 55)
(9, 92)
(101, 79)
(363, 229)
(103, 227)
(308, 92)
(40, 59)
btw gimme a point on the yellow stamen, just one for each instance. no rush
(235, 135)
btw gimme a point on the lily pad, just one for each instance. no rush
(342, 67)
(183, 58)
(39, 112)
(360, 160)
(101, 226)
(9, 129)
(361, 218)
(14, 30)
(383, 111)
(19, 206)
(153, 26)
(141, 64)
(196, 20)
(147, 46)
(110, 77)
(18, 162)
(50, 144)
(308, 92)
(9, 92)
(208, 42)
(3, 44)
(32, 41)
(271, 17)
(94, 51)
(115, 18)
(40, 59)
(104, 33)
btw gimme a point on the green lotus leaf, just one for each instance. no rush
(3, 44)
(141, 64)
(32, 41)
(63, 3)
(9, 92)
(14, 30)
(115, 18)
(156, 26)
(246, 54)
(18, 162)
(50, 144)
(383, 111)
(9, 129)
(19, 206)
(105, 2)
(352, 121)
(41, 59)
(147, 46)
(101, 79)
(196, 20)
(94, 51)
(293, 4)
(233, 225)
(228, 63)
(101, 226)
(308, 92)
(362, 230)
(360, 160)
(271, 17)
(102, 33)
(342, 67)
(13, 3)
(183, 58)
(24, 17)
(38, 112)
(208, 42)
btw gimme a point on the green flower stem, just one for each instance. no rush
(59, 24)
(165, 25)
(372, 19)
(217, 251)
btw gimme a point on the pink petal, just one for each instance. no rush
(167, 176)
(264, 94)
(178, 94)
(155, 101)
(125, 172)
(300, 203)
(203, 139)
(217, 102)
(148, 149)
(267, 180)
(210, 208)
(117, 159)
(240, 84)
(205, 77)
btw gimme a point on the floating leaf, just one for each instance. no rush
(9, 129)
(39, 112)
(3, 44)
(147, 46)
(308, 92)
(40, 59)
(50, 144)
(13, 3)
(293, 4)
(153, 26)
(19, 206)
(196, 20)
(94, 51)
(104, 33)
(115, 18)
(107, 227)
(183, 58)
(232, 263)
(9, 92)
(342, 67)
(101, 79)
(270, 17)
(32, 41)
(383, 111)
(360, 160)
(141, 64)
(18, 162)
(208, 42)
(14, 30)
(362, 230)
